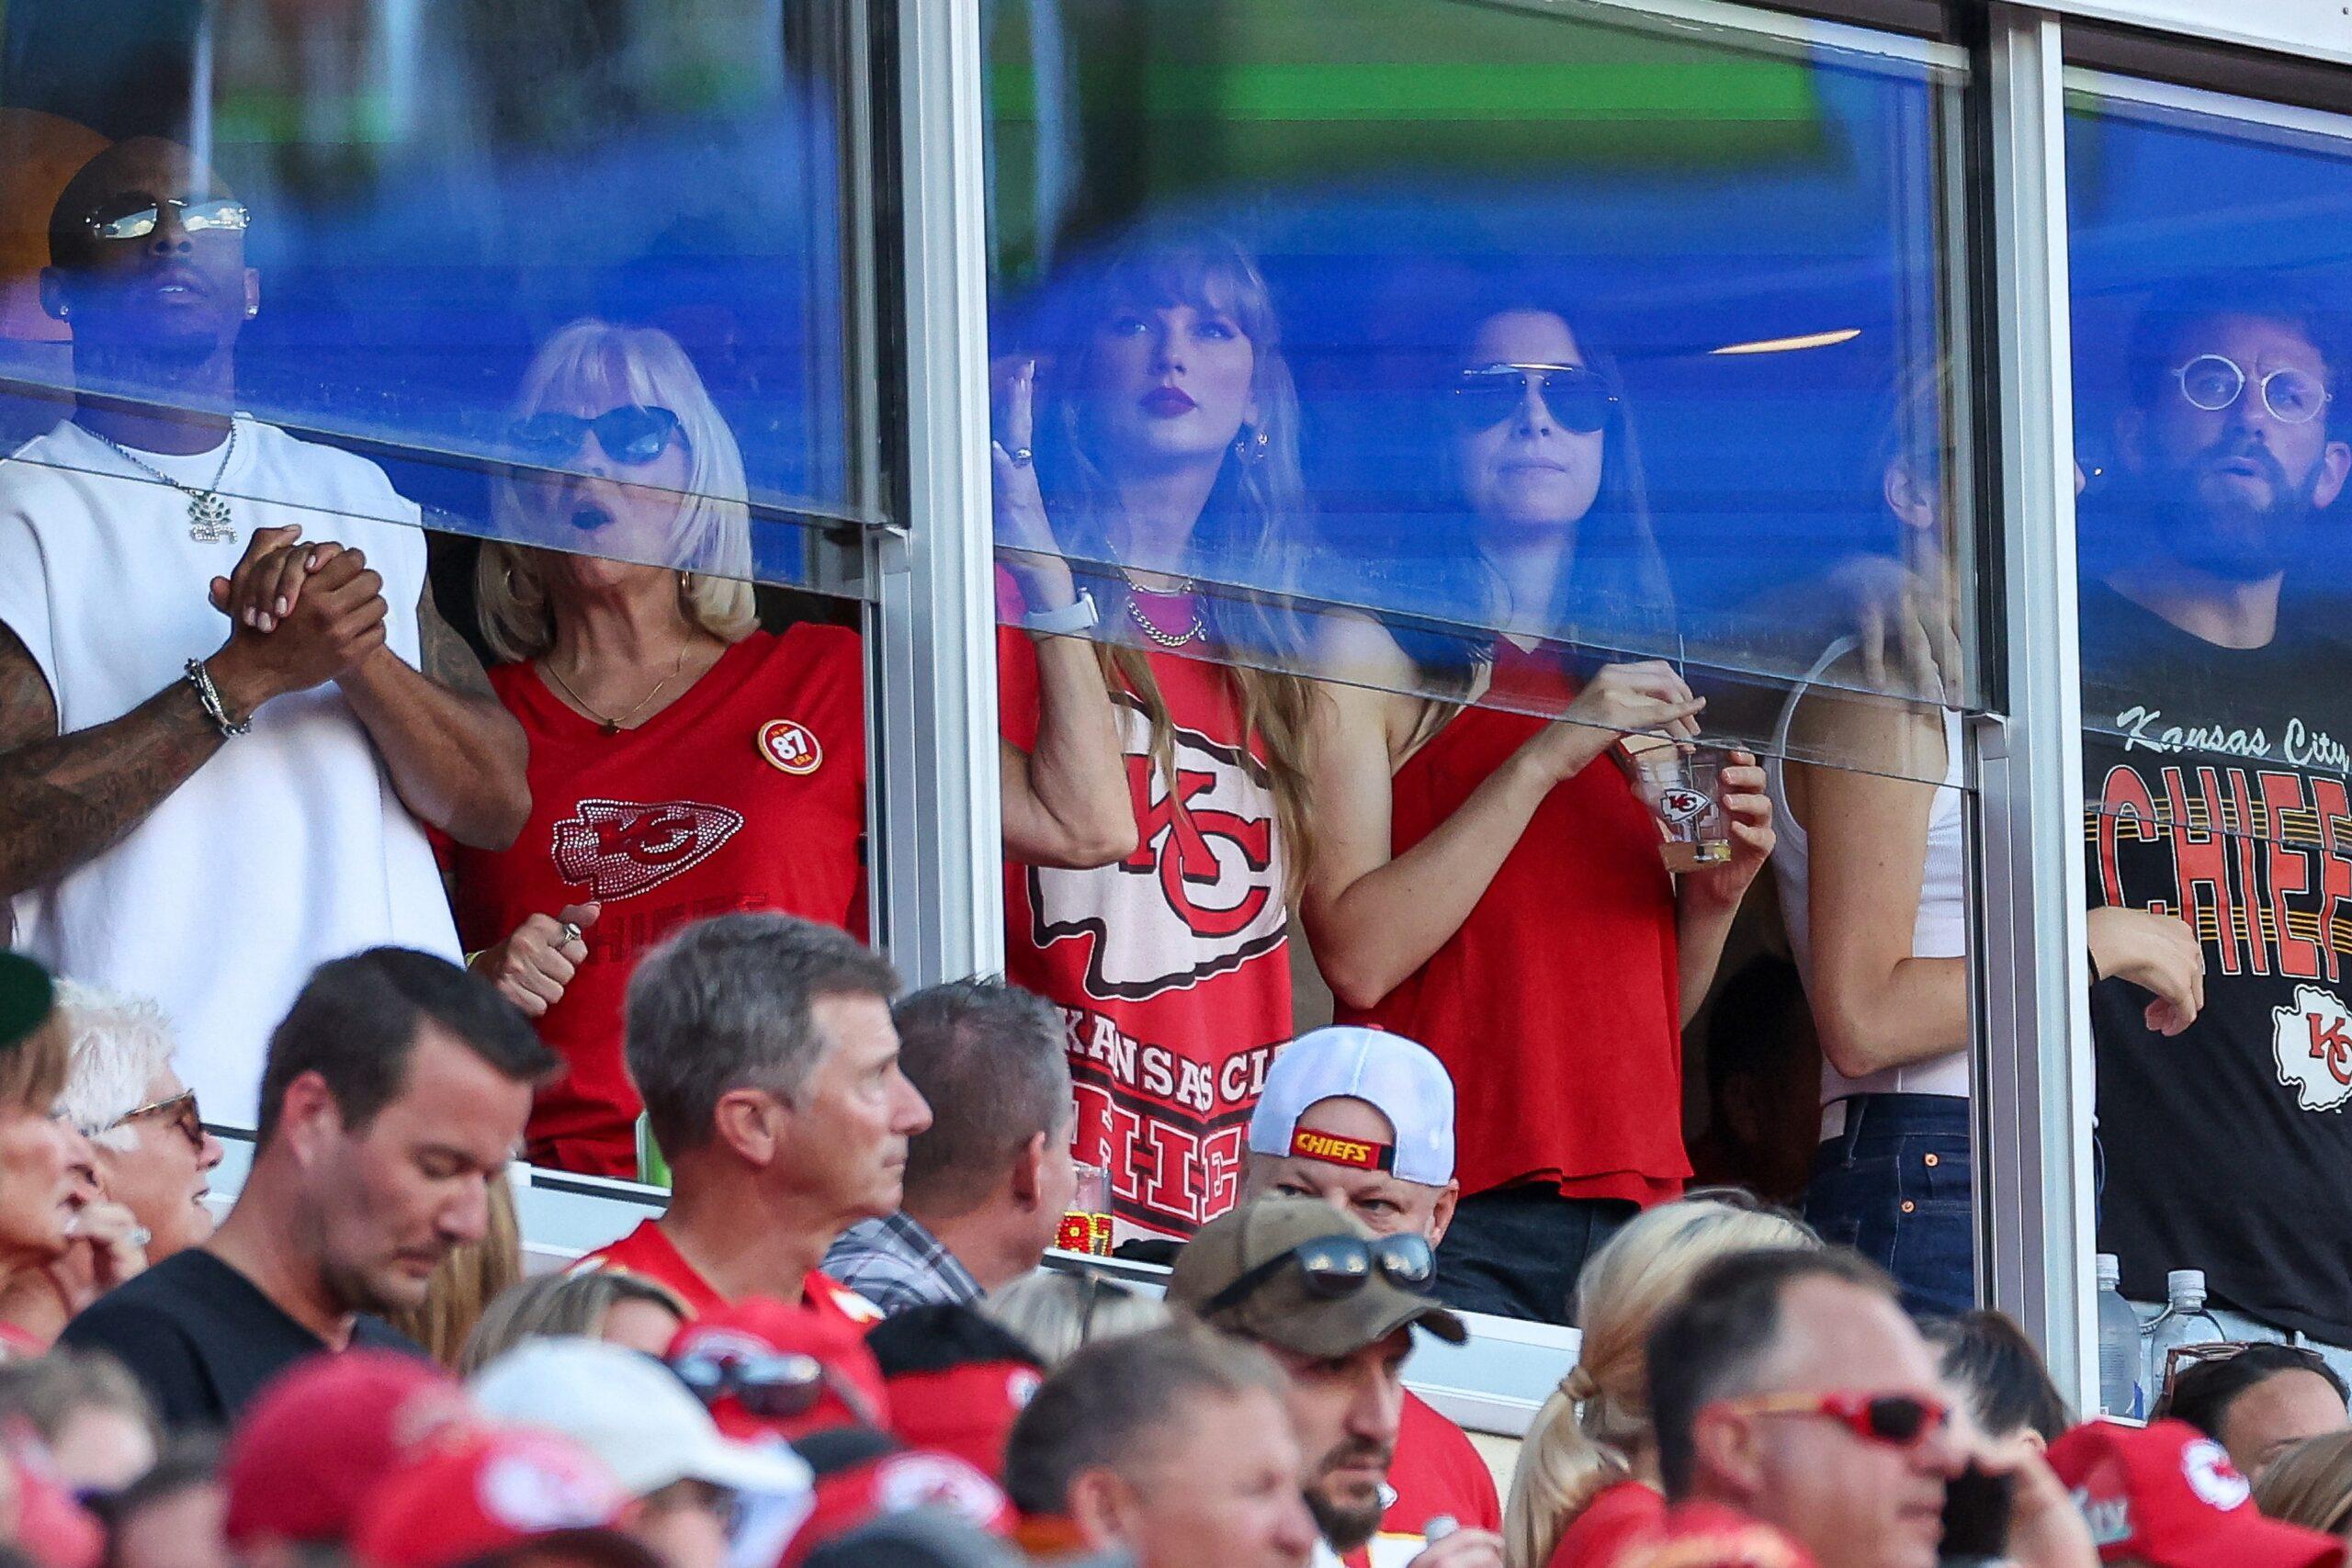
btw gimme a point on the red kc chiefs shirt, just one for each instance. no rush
(1437, 1474)
(648, 1253)
(1171, 969)
(747, 793)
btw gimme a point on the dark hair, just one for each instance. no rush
(725, 1004)
(1988, 1354)
(990, 1059)
(2204, 1393)
(1112, 1401)
(946, 1334)
(2167, 318)
(355, 1024)
(1709, 1343)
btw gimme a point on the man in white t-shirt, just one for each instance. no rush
(228, 708)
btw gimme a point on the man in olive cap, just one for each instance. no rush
(1336, 1306)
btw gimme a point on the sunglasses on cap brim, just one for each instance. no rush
(1336, 1266)
(778, 1387)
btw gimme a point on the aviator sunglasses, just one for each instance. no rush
(1578, 396)
(1336, 1266)
(134, 215)
(776, 1387)
(2215, 381)
(629, 435)
(1897, 1420)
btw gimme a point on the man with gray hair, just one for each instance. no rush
(151, 1152)
(763, 1049)
(987, 1184)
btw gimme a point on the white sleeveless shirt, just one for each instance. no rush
(1940, 932)
(288, 847)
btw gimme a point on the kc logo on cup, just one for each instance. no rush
(790, 746)
(1681, 805)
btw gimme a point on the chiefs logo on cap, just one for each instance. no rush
(791, 747)
(1358, 1154)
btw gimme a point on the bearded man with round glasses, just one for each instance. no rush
(1336, 1306)
(2217, 717)
(223, 688)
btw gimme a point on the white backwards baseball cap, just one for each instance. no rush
(1400, 1079)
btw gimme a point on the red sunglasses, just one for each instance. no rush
(1898, 1420)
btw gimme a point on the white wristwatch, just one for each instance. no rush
(1075, 617)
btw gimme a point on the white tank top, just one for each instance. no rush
(288, 847)
(1940, 932)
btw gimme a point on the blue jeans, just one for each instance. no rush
(1894, 1186)
(1516, 1251)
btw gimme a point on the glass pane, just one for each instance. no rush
(530, 325)
(2209, 270)
(1383, 373)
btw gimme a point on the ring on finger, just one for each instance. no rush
(567, 933)
(1022, 457)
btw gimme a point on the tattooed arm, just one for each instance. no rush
(455, 755)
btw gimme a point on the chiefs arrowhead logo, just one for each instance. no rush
(618, 848)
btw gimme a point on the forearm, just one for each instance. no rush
(1701, 927)
(1913, 1011)
(457, 759)
(1067, 801)
(1374, 934)
(65, 801)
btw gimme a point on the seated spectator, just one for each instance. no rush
(41, 1193)
(764, 1047)
(955, 1382)
(169, 1517)
(1790, 1385)
(767, 1371)
(503, 1496)
(1174, 1447)
(622, 1309)
(1363, 1121)
(98, 1426)
(471, 1275)
(2166, 1495)
(865, 1476)
(1336, 1306)
(2254, 1399)
(2309, 1483)
(1587, 1478)
(307, 1452)
(988, 1182)
(655, 1438)
(152, 1155)
(1988, 1357)
(394, 1098)
(1056, 1312)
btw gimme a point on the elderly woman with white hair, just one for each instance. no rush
(151, 1152)
(685, 763)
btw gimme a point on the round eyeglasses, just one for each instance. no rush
(2215, 381)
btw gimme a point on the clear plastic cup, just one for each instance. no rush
(1683, 788)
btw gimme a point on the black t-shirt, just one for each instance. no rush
(202, 1339)
(2216, 782)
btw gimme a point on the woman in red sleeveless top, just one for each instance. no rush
(684, 763)
(1165, 445)
(1488, 883)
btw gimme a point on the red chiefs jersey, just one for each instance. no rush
(649, 1252)
(1171, 969)
(1437, 1474)
(747, 793)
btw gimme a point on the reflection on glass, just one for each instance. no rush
(683, 762)
(2211, 369)
(220, 651)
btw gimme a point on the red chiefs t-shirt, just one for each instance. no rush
(1437, 1473)
(1171, 969)
(1557, 1006)
(747, 793)
(1620, 1514)
(649, 1252)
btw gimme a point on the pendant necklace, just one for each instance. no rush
(615, 726)
(208, 522)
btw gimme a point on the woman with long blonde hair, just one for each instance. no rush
(1586, 1480)
(684, 762)
(1165, 429)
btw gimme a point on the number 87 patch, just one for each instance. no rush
(790, 746)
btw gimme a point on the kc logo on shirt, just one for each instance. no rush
(1202, 893)
(618, 848)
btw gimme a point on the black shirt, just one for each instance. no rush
(2216, 787)
(202, 1339)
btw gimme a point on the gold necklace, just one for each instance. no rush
(615, 726)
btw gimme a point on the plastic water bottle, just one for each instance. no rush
(2122, 1382)
(2183, 1321)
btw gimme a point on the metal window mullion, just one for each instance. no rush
(2035, 1072)
(938, 834)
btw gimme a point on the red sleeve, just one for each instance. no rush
(1438, 1469)
(1016, 686)
(1622, 1514)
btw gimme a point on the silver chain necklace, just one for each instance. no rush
(1152, 629)
(208, 522)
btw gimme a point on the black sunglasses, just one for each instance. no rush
(776, 1387)
(135, 214)
(1578, 396)
(1336, 1266)
(629, 435)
